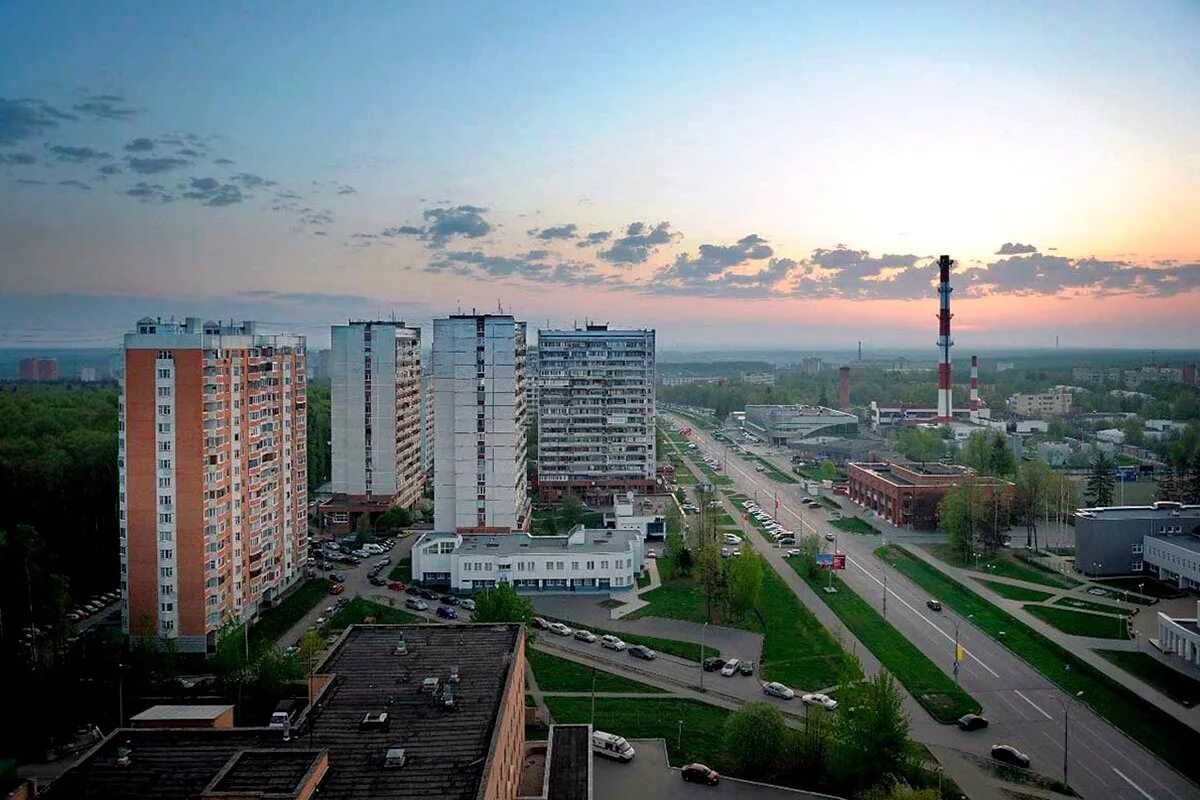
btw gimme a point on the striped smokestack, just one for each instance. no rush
(945, 407)
(974, 387)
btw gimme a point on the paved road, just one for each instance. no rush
(1025, 709)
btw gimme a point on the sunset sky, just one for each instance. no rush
(732, 174)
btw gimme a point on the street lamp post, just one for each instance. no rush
(703, 628)
(1066, 728)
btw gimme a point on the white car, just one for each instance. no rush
(732, 539)
(724, 552)
(793, 553)
(651, 554)
(778, 690)
(468, 604)
(829, 537)
(585, 636)
(560, 629)
(611, 642)
(731, 667)
(823, 700)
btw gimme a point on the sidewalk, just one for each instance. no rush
(1080, 646)
(631, 605)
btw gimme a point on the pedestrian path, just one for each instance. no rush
(631, 603)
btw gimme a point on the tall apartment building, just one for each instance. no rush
(427, 424)
(39, 369)
(375, 400)
(479, 424)
(213, 475)
(595, 412)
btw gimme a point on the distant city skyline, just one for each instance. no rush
(753, 175)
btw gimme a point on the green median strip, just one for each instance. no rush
(554, 674)
(932, 688)
(1181, 688)
(1082, 623)
(1159, 732)
(1088, 605)
(1017, 592)
(854, 525)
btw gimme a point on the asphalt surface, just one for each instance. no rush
(1024, 708)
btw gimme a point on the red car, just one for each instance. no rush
(337, 588)
(540, 624)
(698, 773)
(396, 586)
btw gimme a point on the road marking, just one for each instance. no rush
(1036, 707)
(1139, 789)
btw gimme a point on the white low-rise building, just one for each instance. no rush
(585, 560)
(640, 514)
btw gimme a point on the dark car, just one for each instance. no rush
(933, 605)
(449, 599)
(642, 652)
(972, 722)
(746, 667)
(446, 612)
(698, 773)
(412, 588)
(1008, 754)
(377, 580)
(429, 594)
(713, 664)
(337, 577)
(539, 623)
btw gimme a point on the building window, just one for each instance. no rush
(574, 566)
(1136, 566)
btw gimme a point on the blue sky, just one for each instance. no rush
(792, 166)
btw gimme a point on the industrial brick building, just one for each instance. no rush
(213, 475)
(906, 494)
(595, 415)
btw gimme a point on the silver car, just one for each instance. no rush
(778, 690)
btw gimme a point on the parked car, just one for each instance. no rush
(396, 586)
(829, 537)
(746, 667)
(416, 605)
(642, 652)
(972, 722)
(778, 690)
(1007, 754)
(429, 594)
(698, 773)
(558, 629)
(377, 580)
(731, 667)
(611, 642)
(468, 604)
(817, 699)
(337, 577)
(651, 554)
(724, 552)
(787, 541)
(793, 553)
(539, 623)
(933, 605)
(412, 588)
(446, 612)
(337, 588)
(713, 664)
(585, 636)
(310, 572)
(449, 599)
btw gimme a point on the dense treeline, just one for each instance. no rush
(319, 456)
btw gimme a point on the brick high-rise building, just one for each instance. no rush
(595, 412)
(479, 424)
(213, 466)
(375, 372)
(39, 369)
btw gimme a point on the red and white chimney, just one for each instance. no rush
(974, 388)
(945, 406)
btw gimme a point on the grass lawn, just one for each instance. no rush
(529, 701)
(823, 472)
(1081, 623)
(276, 621)
(703, 725)
(541, 517)
(828, 502)
(1173, 741)
(770, 470)
(933, 689)
(1088, 605)
(854, 525)
(643, 579)
(556, 674)
(715, 478)
(1017, 592)
(1006, 566)
(1181, 688)
(402, 571)
(360, 608)
(684, 477)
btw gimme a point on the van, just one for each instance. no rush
(283, 715)
(611, 746)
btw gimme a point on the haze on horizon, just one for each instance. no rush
(735, 175)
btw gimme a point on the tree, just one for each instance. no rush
(754, 738)
(743, 582)
(395, 517)
(571, 511)
(710, 573)
(1101, 482)
(503, 604)
(1193, 480)
(920, 444)
(988, 453)
(957, 515)
(871, 732)
(1035, 482)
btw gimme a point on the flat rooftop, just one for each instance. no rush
(446, 749)
(168, 712)
(592, 540)
(1181, 540)
(1155, 512)
(570, 776)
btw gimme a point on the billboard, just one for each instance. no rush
(831, 560)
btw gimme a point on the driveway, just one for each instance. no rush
(648, 775)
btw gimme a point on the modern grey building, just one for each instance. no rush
(1162, 540)
(781, 424)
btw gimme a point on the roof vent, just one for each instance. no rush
(453, 674)
(375, 720)
(123, 756)
(401, 647)
(430, 685)
(395, 758)
(448, 697)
